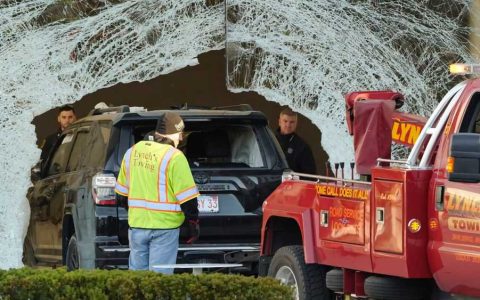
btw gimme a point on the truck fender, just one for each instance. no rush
(308, 237)
(304, 233)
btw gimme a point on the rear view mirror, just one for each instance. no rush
(464, 161)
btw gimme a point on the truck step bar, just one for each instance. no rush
(198, 247)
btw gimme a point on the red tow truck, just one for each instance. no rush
(405, 229)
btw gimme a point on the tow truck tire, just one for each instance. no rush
(288, 266)
(335, 280)
(393, 288)
(72, 259)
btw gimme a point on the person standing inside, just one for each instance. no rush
(66, 116)
(157, 181)
(298, 153)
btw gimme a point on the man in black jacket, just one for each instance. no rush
(298, 153)
(66, 116)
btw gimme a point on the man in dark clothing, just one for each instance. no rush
(66, 116)
(298, 153)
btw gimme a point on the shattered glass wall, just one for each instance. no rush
(308, 54)
(54, 52)
(303, 53)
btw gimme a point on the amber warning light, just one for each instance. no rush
(414, 225)
(464, 69)
(433, 224)
(450, 164)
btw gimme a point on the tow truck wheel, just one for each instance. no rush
(288, 266)
(72, 260)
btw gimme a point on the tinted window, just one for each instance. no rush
(471, 118)
(97, 145)
(79, 149)
(216, 145)
(60, 157)
(225, 146)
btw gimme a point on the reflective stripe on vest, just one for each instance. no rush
(122, 189)
(152, 203)
(162, 176)
(138, 203)
(128, 157)
(186, 194)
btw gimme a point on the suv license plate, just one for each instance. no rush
(207, 203)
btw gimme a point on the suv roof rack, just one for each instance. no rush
(239, 107)
(236, 107)
(115, 109)
(186, 106)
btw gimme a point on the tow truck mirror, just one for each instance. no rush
(464, 161)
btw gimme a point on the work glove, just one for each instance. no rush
(193, 231)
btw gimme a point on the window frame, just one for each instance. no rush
(68, 151)
(471, 115)
(81, 129)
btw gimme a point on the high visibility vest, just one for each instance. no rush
(156, 178)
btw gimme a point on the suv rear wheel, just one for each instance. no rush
(72, 260)
(288, 265)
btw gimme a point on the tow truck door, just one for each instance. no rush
(454, 228)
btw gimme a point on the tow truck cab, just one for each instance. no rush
(411, 230)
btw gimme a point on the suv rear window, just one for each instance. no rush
(229, 146)
(217, 145)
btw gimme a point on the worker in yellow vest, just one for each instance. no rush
(156, 178)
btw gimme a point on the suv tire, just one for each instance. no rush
(72, 259)
(288, 265)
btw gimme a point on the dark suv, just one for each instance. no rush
(235, 160)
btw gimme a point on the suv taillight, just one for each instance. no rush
(103, 189)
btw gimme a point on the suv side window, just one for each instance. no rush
(60, 158)
(89, 146)
(97, 144)
(79, 148)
